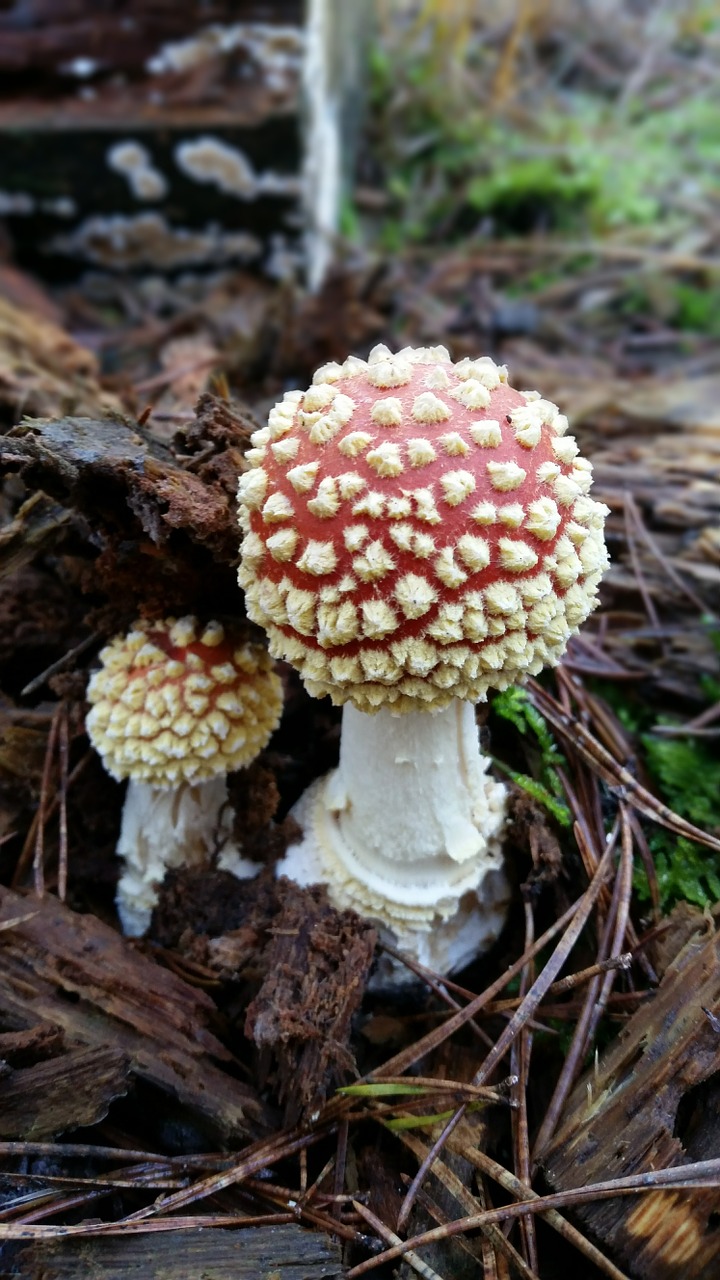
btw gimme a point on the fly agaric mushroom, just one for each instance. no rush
(416, 533)
(175, 709)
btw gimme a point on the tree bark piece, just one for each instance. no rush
(112, 474)
(257, 1253)
(63, 1093)
(653, 1102)
(79, 974)
(317, 963)
(139, 494)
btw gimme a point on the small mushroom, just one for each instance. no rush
(175, 709)
(416, 533)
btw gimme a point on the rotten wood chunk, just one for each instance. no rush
(281, 1252)
(63, 1093)
(44, 35)
(117, 475)
(254, 796)
(213, 446)
(24, 1045)
(196, 906)
(306, 962)
(78, 974)
(317, 961)
(653, 1102)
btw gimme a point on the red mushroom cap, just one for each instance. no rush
(417, 531)
(174, 702)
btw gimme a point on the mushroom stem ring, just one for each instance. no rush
(406, 830)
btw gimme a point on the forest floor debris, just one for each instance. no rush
(228, 1111)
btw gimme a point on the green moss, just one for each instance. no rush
(685, 773)
(578, 162)
(697, 309)
(684, 871)
(686, 305)
(687, 777)
(540, 186)
(514, 705)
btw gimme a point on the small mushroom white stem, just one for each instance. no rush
(171, 827)
(405, 828)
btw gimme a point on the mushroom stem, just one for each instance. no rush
(406, 830)
(187, 825)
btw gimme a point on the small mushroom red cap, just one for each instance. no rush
(174, 702)
(417, 531)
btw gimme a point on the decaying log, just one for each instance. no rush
(25, 1045)
(281, 1252)
(75, 972)
(180, 133)
(139, 494)
(653, 1102)
(175, 131)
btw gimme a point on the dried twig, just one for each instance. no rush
(621, 917)
(389, 1237)
(439, 986)
(257, 1158)
(704, 1173)
(527, 1197)
(450, 1181)
(613, 936)
(63, 827)
(340, 1157)
(520, 1066)
(28, 848)
(406, 1058)
(520, 1017)
(570, 983)
(39, 848)
(613, 773)
(76, 652)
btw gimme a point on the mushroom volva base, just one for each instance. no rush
(407, 832)
(162, 828)
(175, 707)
